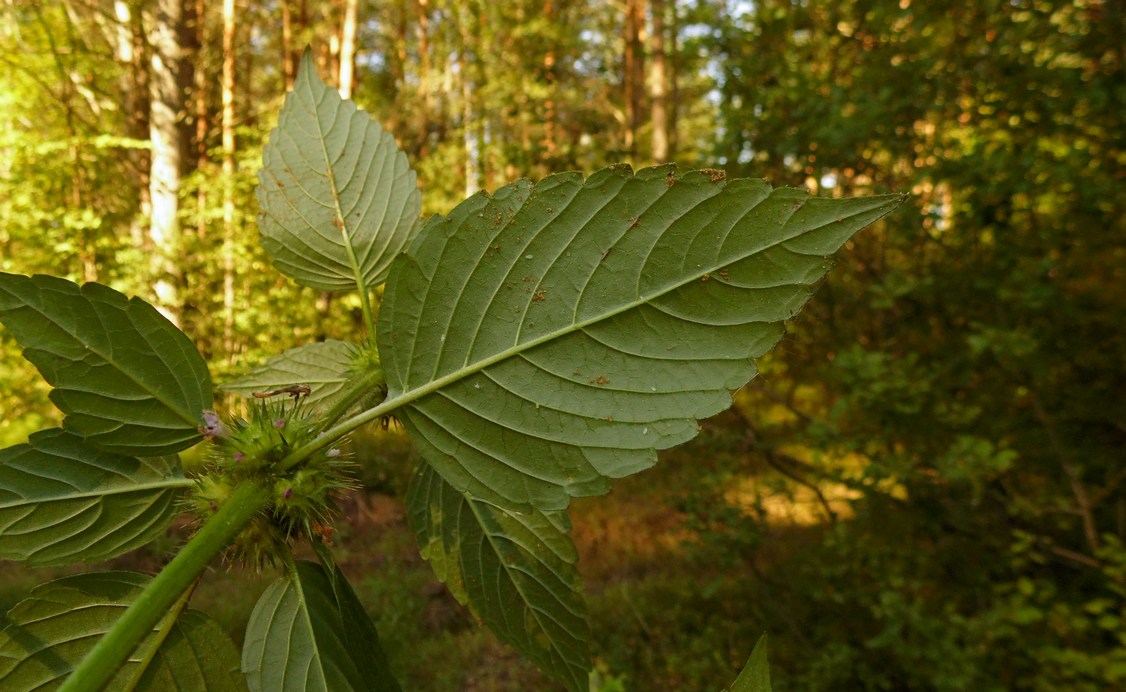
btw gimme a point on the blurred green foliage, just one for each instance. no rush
(974, 397)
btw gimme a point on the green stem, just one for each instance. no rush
(115, 647)
(365, 305)
(357, 389)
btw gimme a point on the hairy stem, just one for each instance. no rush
(115, 647)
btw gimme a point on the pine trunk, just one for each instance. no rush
(549, 135)
(633, 72)
(289, 72)
(228, 129)
(658, 84)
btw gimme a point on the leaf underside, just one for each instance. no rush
(551, 337)
(309, 631)
(62, 502)
(324, 366)
(127, 379)
(516, 572)
(339, 200)
(52, 630)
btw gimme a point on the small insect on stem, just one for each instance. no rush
(295, 390)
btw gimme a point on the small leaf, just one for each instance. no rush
(552, 337)
(339, 200)
(324, 366)
(129, 381)
(517, 572)
(756, 674)
(308, 631)
(53, 629)
(62, 501)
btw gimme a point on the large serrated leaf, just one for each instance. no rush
(339, 200)
(308, 631)
(51, 631)
(127, 379)
(62, 501)
(323, 366)
(517, 572)
(554, 336)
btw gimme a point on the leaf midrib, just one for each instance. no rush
(316, 662)
(95, 494)
(346, 239)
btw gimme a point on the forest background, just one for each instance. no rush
(926, 487)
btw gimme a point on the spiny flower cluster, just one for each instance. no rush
(302, 496)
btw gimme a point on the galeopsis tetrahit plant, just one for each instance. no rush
(535, 343)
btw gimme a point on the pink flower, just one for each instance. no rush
(213, 426)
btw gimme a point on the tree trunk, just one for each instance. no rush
(658, 83)
(673, 51)
(170, 80)
(130, 50)
(549, 136)
(633, 72)
(202, 117)
(468, 113)
(228, 128)
(288, 69)
(423, 102)
(348, 49)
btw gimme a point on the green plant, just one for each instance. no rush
(535, 343)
